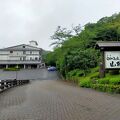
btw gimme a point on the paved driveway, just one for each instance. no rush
(57, 100)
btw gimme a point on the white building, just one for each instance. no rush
(24, 56)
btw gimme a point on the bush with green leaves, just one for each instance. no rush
(85, 82)
(114, 81)
(76, 72)
(103, 81)
(94, 75)
(81, 59)
(106, 88)
(11, 69)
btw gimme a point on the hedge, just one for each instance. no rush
(106, 88)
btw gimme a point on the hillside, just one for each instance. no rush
(76, 56)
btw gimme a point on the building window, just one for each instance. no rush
(11, 51)
(30, 52)
(24, 58)
(20, 58)
(39, 53)
(23, 46)
(36, 58)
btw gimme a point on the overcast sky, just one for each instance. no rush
(25, 20)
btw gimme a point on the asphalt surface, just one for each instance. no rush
(57, 100)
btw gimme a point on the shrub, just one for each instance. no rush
(11, 69)
(114, 81)
(103, 81)
(80, 73)
(111, 83)
(109, 80)
(76, 73)
(85, 83)
(94, 75)
(107, 88)
(96, 69)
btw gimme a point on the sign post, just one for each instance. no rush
(112, 59)
(110, 51)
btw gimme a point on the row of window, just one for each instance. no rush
(24, 52)
(24, 58)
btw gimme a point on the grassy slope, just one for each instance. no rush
(111, 83)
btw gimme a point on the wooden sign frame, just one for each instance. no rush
(107, 46)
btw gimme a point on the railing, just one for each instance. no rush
(20, 62)
(6, 84)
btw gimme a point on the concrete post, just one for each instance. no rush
(16, 66)
(24, 66)
(6, 66)
(38, 66)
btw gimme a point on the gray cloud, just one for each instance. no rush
(24, 20)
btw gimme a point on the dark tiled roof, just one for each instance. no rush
(104, 44)
(17, 48)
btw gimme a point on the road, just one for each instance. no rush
(32, 74)
(57, 100)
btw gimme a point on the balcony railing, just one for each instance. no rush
(20, 61)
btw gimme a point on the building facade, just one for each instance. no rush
(23, 56)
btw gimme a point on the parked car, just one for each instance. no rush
(51, 68)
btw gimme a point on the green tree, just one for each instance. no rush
(75, 48)
(60, 35)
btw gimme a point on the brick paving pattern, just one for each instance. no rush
(57, 100)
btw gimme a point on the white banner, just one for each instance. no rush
(112, 59)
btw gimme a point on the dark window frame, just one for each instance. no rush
(36, 58)
(11, 51)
